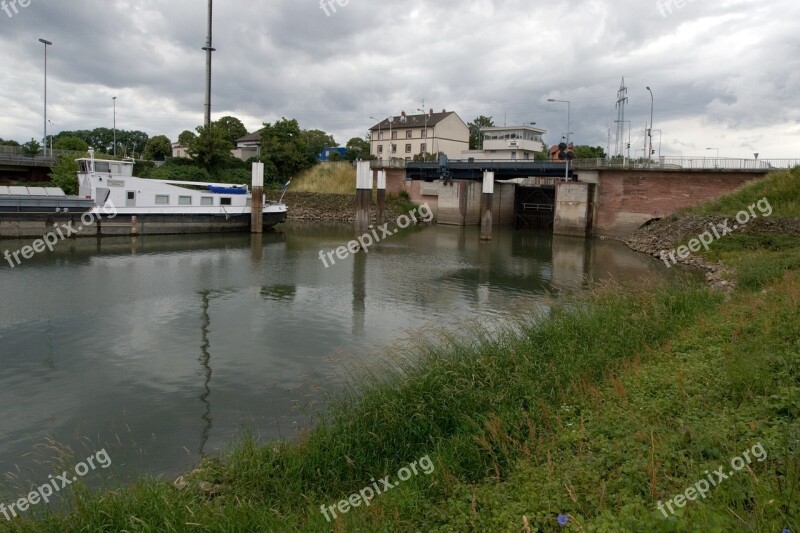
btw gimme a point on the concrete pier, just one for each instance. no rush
(486, 206)
(363, 196)
(573, 209)
(257, 209)
(381, 214)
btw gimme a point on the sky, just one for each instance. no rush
(725, 74)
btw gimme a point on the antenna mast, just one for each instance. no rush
(622, 98)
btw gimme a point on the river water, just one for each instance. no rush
(162, 349)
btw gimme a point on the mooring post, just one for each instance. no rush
(486, 206)
(363, 196)
(381, 216)
(257, 202)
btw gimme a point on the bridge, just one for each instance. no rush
(602, 197)
(16, 167)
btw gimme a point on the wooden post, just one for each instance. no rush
(486, 206)
(363, 196)
(381, 216)
(257, 203)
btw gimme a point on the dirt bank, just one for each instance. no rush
(311, 206)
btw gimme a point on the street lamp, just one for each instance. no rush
(46, 44)
(115, 124)
(650, 134)
(51, 137)
(566, 173)
(717, 149)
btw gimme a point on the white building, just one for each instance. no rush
(509, 143)
(407, 136)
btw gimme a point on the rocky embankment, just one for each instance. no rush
(311, 206)
(669, 233)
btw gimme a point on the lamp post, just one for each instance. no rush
(566, 173)
(659, 146)
(115, 124)
(51, 137)
(716, 161)
(650, 132)
(46, 44)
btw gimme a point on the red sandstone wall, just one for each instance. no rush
(628, 199)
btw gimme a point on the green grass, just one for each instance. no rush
(781, 188)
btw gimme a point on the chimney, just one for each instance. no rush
(430, 113)
(444, 110)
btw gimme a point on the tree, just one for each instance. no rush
(186, 137)
(158, 148)
(475, 131)
(8, 143)
(317, 141)
(233, 128)
(285, 150)
(589, 152)
(210, 149)
(64, 174)
(31, 148)
(66, 142)
(357, 148)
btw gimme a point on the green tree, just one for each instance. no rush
(158, 148)
(31, 148)
(358, 148)
(186, 137)
(66, 142)
(475, 131)
(210, 150)
(589, 152)
(317, 141)
(285, 150)
(233, 128)
(8, 143)
(64, 174)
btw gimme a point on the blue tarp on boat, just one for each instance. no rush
(227, 190)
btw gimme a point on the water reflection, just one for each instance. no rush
(99, 340)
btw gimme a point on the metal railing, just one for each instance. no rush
(664, 163)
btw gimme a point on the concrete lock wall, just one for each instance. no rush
(573, 209)
(459, 202)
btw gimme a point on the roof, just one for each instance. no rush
(250, 137)
(414, 121)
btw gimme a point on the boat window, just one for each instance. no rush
(131, 195)
(207, 200)
(225, 201)
(84, 166)
(184, 200)
(162, 199)
(102, 166)
(115, 169)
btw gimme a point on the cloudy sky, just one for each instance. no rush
(725, 73)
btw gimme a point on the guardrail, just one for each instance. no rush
(664, 163)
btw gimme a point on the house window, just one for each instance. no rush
(380, 148)
(409, 133)
(408, 148)
(207, 200)
(184, 200)
(423, 134)
(380, 135)
(162, 199)
(394, 148)
(394, 135)
(225, 201)
(423, 148)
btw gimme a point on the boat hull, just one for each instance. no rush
(35, 225)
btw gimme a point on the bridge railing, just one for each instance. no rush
(688, 163)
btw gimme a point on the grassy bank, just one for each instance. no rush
(328, 178)
(596, 412)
